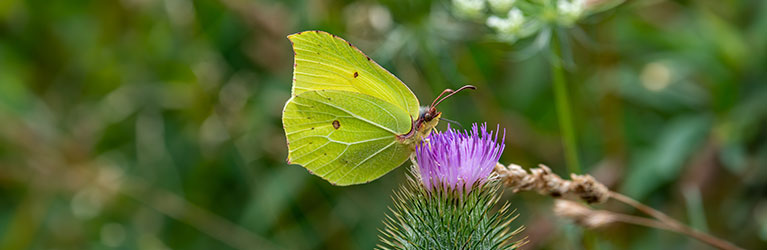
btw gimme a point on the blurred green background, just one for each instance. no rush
(155, 124)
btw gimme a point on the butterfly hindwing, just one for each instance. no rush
(345, 137)
(325, 61)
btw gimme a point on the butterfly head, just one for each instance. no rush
(427, 120)
(429, 117)
(427, 114)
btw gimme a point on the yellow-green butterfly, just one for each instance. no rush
(348, 120)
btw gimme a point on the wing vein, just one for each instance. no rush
(368, 158)
(355, 116)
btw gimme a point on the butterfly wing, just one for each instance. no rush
(325, 61)
(345, 137)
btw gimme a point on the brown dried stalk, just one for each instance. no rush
(588, 189)
(585, 216)
(545, 182)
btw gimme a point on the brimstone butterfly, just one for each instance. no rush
(348, 120)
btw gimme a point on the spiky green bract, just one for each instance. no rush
(448, 219)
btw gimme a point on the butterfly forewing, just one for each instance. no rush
(325, 61)
(345, 137)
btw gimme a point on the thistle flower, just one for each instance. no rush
(455, 160)
(450, 201)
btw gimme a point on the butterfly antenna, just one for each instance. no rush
(449, 92)
(452, 122)
(440, 96)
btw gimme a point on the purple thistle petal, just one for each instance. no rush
(454, 159)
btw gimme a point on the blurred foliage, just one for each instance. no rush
(139, 124)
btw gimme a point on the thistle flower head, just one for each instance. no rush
(455, 160)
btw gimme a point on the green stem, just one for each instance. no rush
(563, 108)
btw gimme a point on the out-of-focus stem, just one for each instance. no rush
(180, 209)
(674, 225)
(26, 222)
(569, 141)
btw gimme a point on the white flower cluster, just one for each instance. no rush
(501, 6)
(570, 10)
(508, 27)
(515, 19)
(470, 8)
